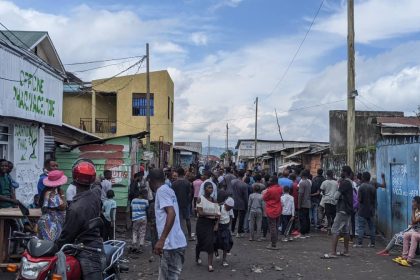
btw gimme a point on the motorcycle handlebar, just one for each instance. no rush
(80, 247)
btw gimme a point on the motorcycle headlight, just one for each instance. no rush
(30, 270)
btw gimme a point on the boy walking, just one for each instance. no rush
(109, 207)
(139, 208)
(255, 210)
(288, 212)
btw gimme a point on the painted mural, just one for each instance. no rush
(112, 155)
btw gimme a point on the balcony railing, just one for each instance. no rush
(102, 125)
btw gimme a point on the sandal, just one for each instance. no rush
(406, 263)
(383, 253)
(398, 260)
(328, 256)
(342, 254)
(211, 269)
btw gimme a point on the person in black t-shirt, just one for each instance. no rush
(366, 212)
(341, 226)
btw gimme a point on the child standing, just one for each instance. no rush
(288, 212)
(109, 207)
(139, 208)
(255, 210)
(224, 238)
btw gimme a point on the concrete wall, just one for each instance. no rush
(398, 158)
(161, 85)
(367, 134)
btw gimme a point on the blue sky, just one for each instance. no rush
(222, 54)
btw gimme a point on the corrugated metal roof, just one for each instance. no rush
(398, 121)
(298, 153)
(28, 38)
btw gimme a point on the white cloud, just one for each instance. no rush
(225, 3)
(375, 19)
(199, 38)
(223, 85)
(167, 47)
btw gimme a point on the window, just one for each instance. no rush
(172, 112)
(169, 107)
(140, 104)
(4, 141)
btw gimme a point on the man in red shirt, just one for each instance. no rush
(273, 209)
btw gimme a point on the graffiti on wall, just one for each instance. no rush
(27, 176)
(25, 143)
(26, 159)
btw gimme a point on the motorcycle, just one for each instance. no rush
(40, 260)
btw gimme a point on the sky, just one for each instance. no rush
(222, 54)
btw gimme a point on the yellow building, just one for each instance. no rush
(117, 107)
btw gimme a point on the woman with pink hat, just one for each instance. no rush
(53, 206)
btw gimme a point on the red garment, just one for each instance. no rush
(271, 197)
(295, 193)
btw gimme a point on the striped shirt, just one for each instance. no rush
(139, 209)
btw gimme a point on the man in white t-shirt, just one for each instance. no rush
(172, 243)
(70, 193)
(106, 184)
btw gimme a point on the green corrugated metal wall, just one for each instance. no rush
(114, 154)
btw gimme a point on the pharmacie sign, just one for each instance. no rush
(29, 91)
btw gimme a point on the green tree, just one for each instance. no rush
(229, 153)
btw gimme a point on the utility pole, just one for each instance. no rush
(208, 149)
(255, 139)
(147, 98)
(227, 145)
(351, 88)
(278, 125)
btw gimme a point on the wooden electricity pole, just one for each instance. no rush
(351, 88)
(255, 139)
(147, 98)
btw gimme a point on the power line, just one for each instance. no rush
(377, 106)
(105, 60)
(27, 51)
(99, 67)
(297, 51)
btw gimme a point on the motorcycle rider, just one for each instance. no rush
(86, 206)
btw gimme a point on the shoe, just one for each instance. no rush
(251, 239)
(371, 245)
(285, 240)
(298, 236)
(199, 261)
(383, 253)
(341, 239)
(259, 240)
(295, 232)
(357, 246)
(225, 263)
(152, 259)
(211, 269)
(271, 247)
(290, 238)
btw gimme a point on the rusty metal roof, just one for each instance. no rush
(398, 121)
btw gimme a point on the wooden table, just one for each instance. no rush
(10, 214)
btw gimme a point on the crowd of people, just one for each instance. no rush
(232, 202)
(227, 203)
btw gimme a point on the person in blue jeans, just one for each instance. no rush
(172, 243)
(366, 212)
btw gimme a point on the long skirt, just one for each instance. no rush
(223, 238)
(205, 235)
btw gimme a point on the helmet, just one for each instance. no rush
(84, 172)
